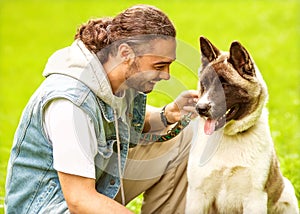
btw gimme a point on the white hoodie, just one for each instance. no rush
(79, 148)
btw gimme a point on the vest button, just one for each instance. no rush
(112, 182)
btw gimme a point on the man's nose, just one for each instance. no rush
(165, 75)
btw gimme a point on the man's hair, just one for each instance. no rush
(141, 21)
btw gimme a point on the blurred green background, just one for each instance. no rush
(31, 30)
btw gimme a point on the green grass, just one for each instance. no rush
(31, 30)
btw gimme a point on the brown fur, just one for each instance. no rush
(275, 184)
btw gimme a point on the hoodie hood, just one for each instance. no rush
(78, 62)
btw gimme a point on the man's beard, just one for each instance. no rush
(133, 78)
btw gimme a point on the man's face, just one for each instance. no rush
(152, 66)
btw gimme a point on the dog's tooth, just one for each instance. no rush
(227, 111)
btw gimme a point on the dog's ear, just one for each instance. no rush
(208, 51)
(241, 60)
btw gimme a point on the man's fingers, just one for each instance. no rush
(189, 109)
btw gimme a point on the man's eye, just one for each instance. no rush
(159, 68)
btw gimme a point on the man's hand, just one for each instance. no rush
(181, 106)
(174, 111)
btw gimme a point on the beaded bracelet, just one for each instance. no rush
(163, 117)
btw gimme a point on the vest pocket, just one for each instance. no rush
(45, 196)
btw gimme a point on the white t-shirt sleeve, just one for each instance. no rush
(72, 134)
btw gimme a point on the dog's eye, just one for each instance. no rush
(222, 80)
(224, 83)
(225, 86)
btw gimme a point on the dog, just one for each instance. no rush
(240, 172)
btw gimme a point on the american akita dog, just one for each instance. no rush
(242, 175)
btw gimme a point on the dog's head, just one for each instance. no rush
(231, 89)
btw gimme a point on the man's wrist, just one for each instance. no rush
(163, 117)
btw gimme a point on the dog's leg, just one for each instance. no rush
(256, 202)
(197, 202)
(287, 203)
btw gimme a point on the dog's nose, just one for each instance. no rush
(203, 108)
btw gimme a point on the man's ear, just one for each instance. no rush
(126, 53)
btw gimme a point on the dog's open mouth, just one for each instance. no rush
(212, 125)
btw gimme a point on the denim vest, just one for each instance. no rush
(32, 184)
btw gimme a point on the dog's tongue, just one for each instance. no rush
(209, 126)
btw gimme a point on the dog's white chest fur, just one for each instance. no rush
(233, 173)
(234, 177)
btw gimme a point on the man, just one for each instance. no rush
(85, 120)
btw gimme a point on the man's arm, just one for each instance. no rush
(74, 149)
(152, 119)
(82, 197)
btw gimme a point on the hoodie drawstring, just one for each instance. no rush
(119, 159)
